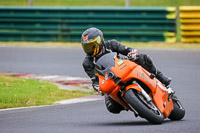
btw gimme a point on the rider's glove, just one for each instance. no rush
(95, 87)
(95, 84)
(133, 55)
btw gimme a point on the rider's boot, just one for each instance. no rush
(165, 80)
(146, 62)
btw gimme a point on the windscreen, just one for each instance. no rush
(104, 63)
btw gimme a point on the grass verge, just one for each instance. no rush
(159, 45)
(100, 3)
(19, 92)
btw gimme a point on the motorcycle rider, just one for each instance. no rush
(95, 46)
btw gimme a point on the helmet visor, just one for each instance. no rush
(91, 47)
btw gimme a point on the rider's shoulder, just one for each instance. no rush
(112, 42)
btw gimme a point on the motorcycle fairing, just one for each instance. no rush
(127, 70)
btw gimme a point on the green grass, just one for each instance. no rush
(19, 92)
(165, 2)
(100, 2)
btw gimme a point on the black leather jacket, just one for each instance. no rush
(109, 46)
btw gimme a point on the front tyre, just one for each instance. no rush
(146, 110)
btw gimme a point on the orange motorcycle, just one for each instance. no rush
(137, 90)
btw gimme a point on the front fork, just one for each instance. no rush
(137, 87)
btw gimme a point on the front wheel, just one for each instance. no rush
(145, 109)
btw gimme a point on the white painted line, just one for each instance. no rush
(77, 100)
(18, 108)
(70, 101)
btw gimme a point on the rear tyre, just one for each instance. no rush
(146, 110)
(179, 112)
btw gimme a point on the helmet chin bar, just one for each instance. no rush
(100, 53)
(96, 50)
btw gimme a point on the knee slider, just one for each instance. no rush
(113, 106)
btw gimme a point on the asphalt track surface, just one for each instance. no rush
(92, 117)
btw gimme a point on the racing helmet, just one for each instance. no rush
(92, 41)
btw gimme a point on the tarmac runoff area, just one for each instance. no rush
(63, 82)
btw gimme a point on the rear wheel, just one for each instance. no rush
(145, 109)
(179, 112)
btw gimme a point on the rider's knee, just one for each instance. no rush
(112, 106)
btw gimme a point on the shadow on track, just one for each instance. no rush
(124, 123)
